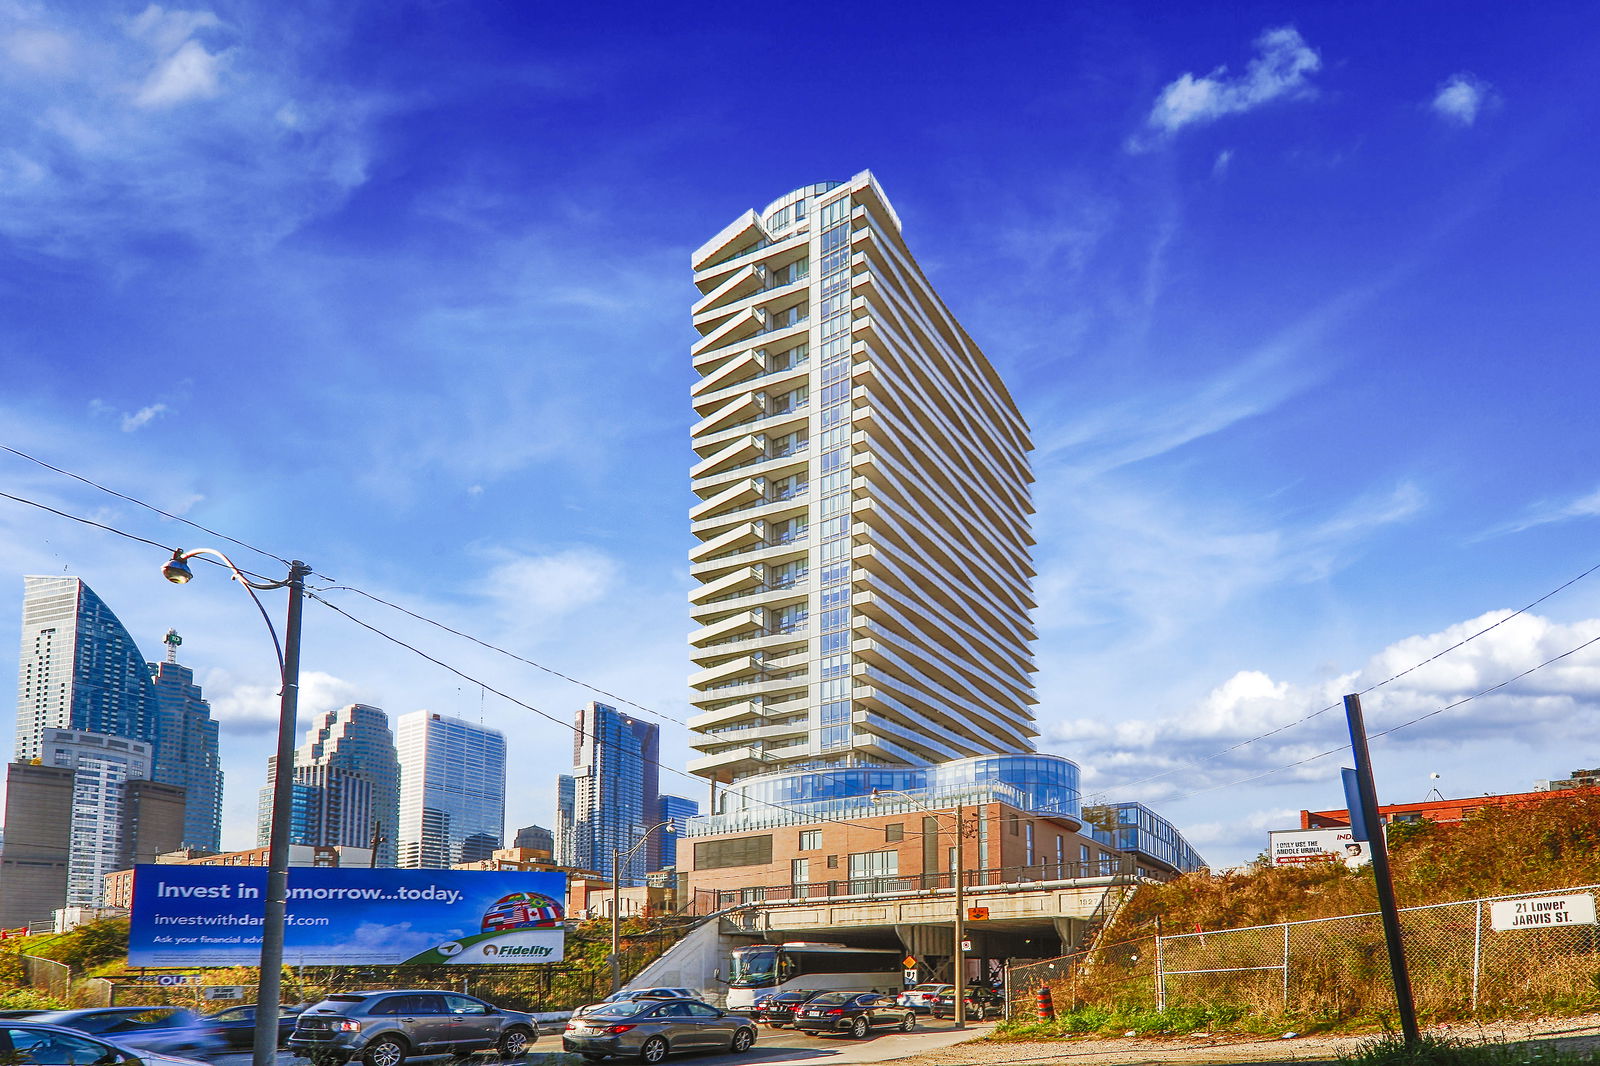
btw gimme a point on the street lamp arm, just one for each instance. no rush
(177, 571)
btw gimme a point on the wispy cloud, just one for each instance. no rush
(168, 122)
(1462, 98)
(1549, 512)
(142, 417)
(1280, 70)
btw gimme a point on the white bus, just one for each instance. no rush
(761, 969)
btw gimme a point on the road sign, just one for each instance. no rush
(1543, 912)
(966, 945)
(218, 992)
(977, 914)
(909, 962)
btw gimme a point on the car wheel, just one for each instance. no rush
(858, 1028)
(513, 1043)
(742, 1039)
(654, 1050)
(909, 1022)
(385, 1051)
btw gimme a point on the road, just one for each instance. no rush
(774, 1047)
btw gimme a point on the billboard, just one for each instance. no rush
(212, 915)
(1290, 847)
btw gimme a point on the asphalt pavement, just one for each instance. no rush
(773, 1047)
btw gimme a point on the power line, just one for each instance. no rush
(140, 503)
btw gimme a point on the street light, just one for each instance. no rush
(264, 1048)
(617, 855)
(960, 955)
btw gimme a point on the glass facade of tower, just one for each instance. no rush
(346, 783)
(186, 753)
(612, 796)
(78, 668)
(452, 790)
(864, 547)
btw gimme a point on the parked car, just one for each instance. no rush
(171, 1030)
(385, 1028)
(854, 1013)
(650, 1030)
(237, 1025)
(628, 995)
(34, 1044)
(778, 1009)
(981, 1003)
(922, 997)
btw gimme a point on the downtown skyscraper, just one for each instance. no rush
(346, 783)
(186, 750)
(612, 796)
(452, 790)
(864, 572)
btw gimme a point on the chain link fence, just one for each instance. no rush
(1461, 965)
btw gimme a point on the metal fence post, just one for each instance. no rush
(1477, 952)
(1161, 979)
(1286, 967)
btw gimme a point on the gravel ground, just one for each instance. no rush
(1579, 1034)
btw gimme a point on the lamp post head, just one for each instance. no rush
(176, 569)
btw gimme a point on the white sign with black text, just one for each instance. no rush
(1291, 847)
(1545, 912)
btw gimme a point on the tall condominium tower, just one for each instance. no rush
(612, 796)
(186, 751)
(864, 568)
(78, 668)
(452, 790)
(347, 783)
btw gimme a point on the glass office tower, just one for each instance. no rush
(452, 790)
(186, 752)
(863, 566)
(612, 796)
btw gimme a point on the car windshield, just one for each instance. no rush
(625, 1010)
(754, 967)
(833, 998)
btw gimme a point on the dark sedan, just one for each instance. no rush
(237, 1025)
(778, 1009)
(854, 1013)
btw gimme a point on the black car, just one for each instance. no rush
(237, 1025)
(981, 1003)
(778, 1009)
(854, 1013)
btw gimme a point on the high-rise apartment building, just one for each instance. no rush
(612, 796)
(78, 668)
(677, 811)
(186, 752)
(452, 790)
(346, 784)
(864, 559)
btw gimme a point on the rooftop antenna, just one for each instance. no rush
(1433, 793)
(172, 640)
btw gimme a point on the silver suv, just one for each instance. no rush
(386, 1028)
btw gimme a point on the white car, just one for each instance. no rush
(923, 997)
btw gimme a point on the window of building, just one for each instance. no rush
(740, 851)
(833, 862)
(1015, 827)
(1084, 853)
(1030, 844)
(894, 831)
(865, 864)
(810, 839)
(799, 871)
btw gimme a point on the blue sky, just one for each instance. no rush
(1298, 299)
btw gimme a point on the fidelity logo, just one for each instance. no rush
(517, 951)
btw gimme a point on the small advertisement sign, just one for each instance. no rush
(1545, 912)
(212, 916)
(1292, 847)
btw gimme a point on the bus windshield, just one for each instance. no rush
(754, 968)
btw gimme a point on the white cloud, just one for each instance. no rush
(1193, 749)
(548, 586)
(1219, 167)
(245, 707)
(1280, 69)
(142, 417)
(1549, 512)
(190, 73)
(39, 50)
(1461, 99)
